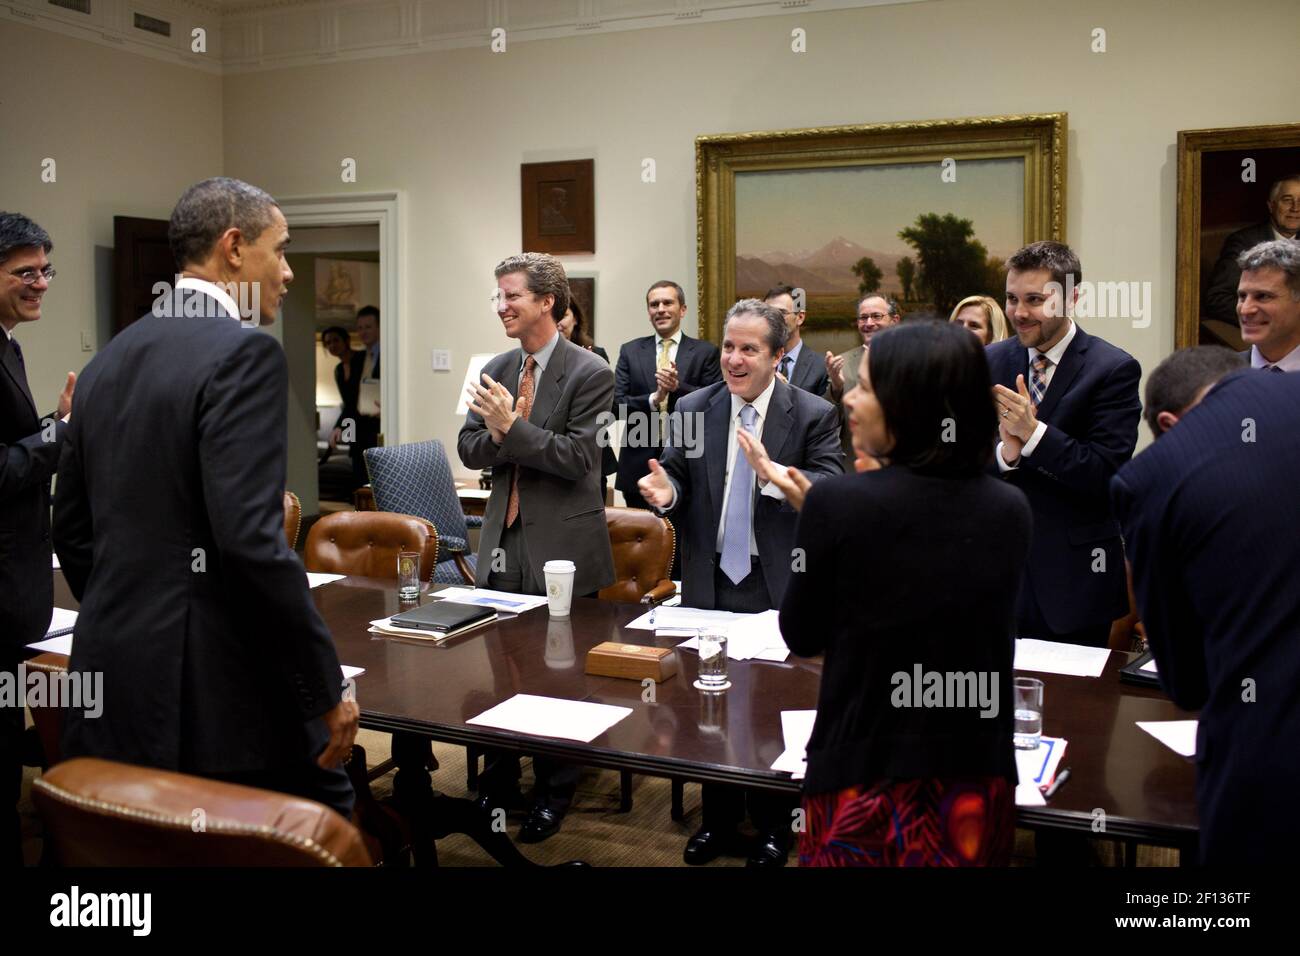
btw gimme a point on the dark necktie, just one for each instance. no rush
(1267, 368)
(785, 367)
(1038, 379)
(18, 353)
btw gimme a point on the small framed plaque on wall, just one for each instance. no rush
(559, 206)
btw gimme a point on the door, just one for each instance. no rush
(141, 257)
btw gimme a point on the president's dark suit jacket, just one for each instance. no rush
(558, 459)
(27, 461)
(1092, 410)
(1221, 292)
(800, 430)
(698, 364)
(809, 372)
(1211, 518)
(169, 524)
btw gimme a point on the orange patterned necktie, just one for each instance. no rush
(523, 406)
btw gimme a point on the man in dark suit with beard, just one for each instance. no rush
(168, 521)
(1068, 414)
(654, 373)
(29, 453)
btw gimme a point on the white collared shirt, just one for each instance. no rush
(1054, 356)
(1287, 363)
(1278, 235)
(213, 291)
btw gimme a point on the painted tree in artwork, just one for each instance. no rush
(953, 263)
(869, 275)
(906, 270)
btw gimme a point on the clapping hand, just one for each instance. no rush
(65, 396)
(835, 370)
(655, 487)
(495, 405)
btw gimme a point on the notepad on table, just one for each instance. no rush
(1051, 657)
(552, 717)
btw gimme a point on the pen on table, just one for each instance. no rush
(1061, 780)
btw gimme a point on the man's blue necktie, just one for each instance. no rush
(736, 523)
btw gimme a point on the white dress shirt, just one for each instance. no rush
(214, 291)
(1054, 356)
(1287, 363)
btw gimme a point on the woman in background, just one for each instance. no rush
(573, 326)
(983, 316)
(347, 375)
(890, 781)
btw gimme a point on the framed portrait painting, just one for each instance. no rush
(1236, 187)
(925, 212)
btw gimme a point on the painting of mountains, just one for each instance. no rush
(902, 229)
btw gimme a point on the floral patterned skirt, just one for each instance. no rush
(930, 822)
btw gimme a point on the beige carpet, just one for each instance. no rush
(594, 830)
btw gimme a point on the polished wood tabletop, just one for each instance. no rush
(1124, 783)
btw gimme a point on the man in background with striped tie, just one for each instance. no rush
(1068, 412)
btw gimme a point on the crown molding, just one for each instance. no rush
(246, 36)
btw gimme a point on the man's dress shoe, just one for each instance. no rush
(768, 853)
(707, 845)
(542, 823)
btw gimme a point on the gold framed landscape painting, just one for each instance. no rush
(924, 211)
(1225, 178)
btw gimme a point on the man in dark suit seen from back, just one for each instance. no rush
(29, 454)
(169, 524)
(1283, 223)
(1068, 413)
(1200, 509)
(653, 374)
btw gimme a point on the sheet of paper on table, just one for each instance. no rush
(56, 561)
(499, 600)
(1036, 769)
(552, 717)
(1149, 667)
(1178, 735)
(796, 728)
(1049, 657)
(316, 578)
(687, 617)
(749, 636)
(351, 672)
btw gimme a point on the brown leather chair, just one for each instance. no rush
(292, 518)
(104, 813)
(366, 543)
(643, 545)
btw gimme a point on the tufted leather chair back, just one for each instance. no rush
(643, 546)
(104, 813)
(366, 543)
(292, 519)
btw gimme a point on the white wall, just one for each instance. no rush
(128, 134)
(450, 129)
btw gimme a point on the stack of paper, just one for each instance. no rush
(552, 717)
(749, 636)
(1036, 769)
(796, 728)
(1052, 658)
(502, 601)
(1178, 735)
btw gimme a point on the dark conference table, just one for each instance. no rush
(1145, 790)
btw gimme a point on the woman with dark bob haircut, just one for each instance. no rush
(909, 590)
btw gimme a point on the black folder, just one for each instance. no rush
(445, 617)
(1132, 673)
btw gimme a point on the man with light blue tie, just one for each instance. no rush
(736, 531)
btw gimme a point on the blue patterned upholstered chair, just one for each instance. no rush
(415, 479)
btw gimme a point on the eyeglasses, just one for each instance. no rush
(874, 316)
(512, 297)
(1290, 202)
(29, 276)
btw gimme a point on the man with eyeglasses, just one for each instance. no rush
(875, 313)
(1283, 223)
(29, 454)
(534, 421)
(798, 366)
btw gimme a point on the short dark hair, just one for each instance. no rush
(777, 331)
(667, 284)
(368, 310)
(208, 209)
(1056, 257)
(19, 232)
(338, 330)
(932, 382)
(784, 289)
(1174, 383)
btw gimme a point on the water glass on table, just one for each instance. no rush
(712, 647)
(1028, 694)
(408, 576)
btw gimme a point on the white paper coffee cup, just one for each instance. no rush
(559, 586)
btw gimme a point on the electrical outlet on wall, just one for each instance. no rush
(87, 343)
(442, 360)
